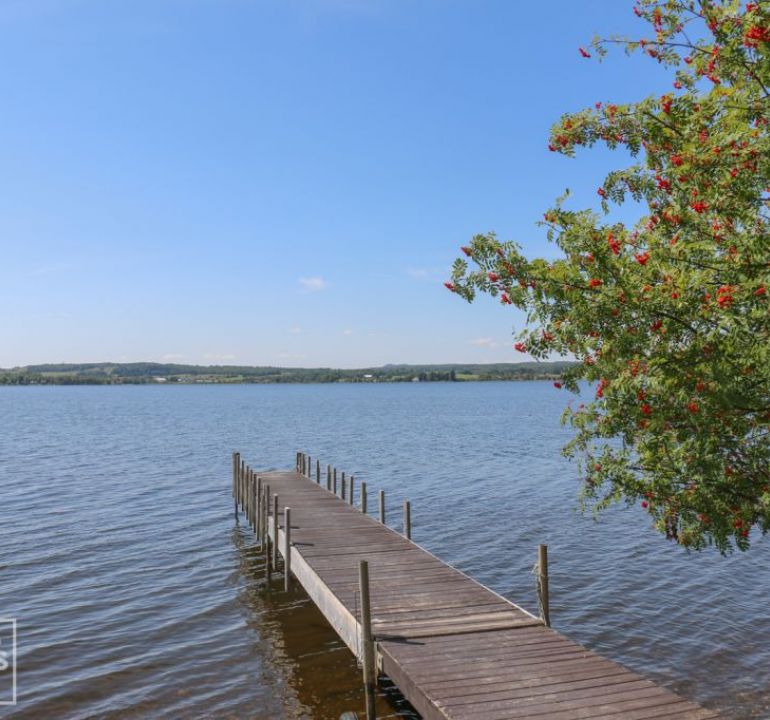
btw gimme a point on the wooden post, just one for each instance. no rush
(275, 532)
(296, 461)
(265, 533)
(266, 521)
(258, 528)
(382, 506)
(542, 583)
(367, 641)
(286, 548)
(363, 498)
(318, 471)
(240, 484)
(352, 489)
(308, 466)
(334, 481)
(328, 477)
(342, 487)
(246, 489)
(407, 520)
(236, 465)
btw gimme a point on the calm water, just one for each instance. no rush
(137, 596)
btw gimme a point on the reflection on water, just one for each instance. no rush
(137, 596)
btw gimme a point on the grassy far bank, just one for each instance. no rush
(140, 373)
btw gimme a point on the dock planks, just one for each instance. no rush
(456, 649)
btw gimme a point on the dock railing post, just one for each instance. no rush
(334, 481)
(266, 519)
(308, 465)
(352, 488)
(542, 584)
(236, 465)
(343, 494)
(318, 471)
(274, 539)
(286, 548)
(382, 506)
(367, 641)
(407, 520)
(363, 497)
(328, 477)
(258, 528)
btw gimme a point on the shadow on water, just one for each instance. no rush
(319, 677)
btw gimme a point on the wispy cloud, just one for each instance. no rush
(485, 342)
(425, 273)
(347, 332)
(417, 273)
(313, 284)
(217, 357)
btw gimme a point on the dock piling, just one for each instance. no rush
(343, 494)
(334, 481)
(382, 506)
(367, 641)
(407, 520)
(352, 489)
(274, 539)
(318, 472)
(328, 477)
(542, 584)
(286, 548)
(363, 498)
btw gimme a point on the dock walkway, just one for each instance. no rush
(455, 649)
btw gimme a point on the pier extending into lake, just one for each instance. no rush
(456, 649)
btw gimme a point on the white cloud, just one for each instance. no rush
(313, 284)
(216, 357)
(426, 273)
(485, 342)
(347, 332)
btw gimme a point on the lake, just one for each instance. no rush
(138, 596)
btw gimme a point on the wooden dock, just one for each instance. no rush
(455, 649)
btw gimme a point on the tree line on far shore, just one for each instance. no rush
(141, 373)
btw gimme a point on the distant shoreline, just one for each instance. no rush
(161, 373)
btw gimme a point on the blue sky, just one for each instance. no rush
(282, 182)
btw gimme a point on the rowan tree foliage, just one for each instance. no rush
(670, 316)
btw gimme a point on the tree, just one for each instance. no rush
(668, 316)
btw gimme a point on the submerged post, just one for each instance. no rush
(367, 641)
(382, 506)
(363, 498)
(542, 584)
(407, 520)
(287, 549)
